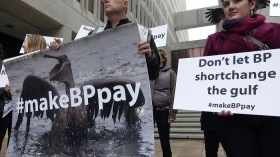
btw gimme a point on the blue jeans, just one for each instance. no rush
(161, 119)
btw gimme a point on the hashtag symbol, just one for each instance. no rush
(275, 5)
(20, 105)
(210, 105)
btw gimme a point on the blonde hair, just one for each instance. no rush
(163, 56)
(35, 42)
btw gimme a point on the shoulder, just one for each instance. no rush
(265, 28)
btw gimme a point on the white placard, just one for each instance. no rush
(3, 77)
(84, 30)
(228, 82)
(48, 41)
(160, 35)
(4, 81)
(274, 8)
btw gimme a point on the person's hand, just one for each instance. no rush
(54, 45)
(144, 48)
(172, 116)
(7, 88)
(225, 113)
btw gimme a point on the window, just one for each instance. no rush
(131, 5)
(90, 5)
(102, 11)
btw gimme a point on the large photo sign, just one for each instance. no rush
(90, 98)
(246, 83)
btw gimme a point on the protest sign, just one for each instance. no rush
(246, 83)
(4, 81)
(91, 98)
(274, 8)
(160, 35)
(83, 31)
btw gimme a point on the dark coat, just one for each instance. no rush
(208, 121)
(226, 42)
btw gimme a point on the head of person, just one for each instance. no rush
(115, 7)
(163, 58)
(34, 42)
(237, 9)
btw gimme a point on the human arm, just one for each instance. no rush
(6, 92)
(152, 57)
(172, 112)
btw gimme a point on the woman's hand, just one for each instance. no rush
(54, 45)
(7, 88)
(172, 116)
(225, 113)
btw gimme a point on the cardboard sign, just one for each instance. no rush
(160, 35)
(3, 77)
(4, 81)
(245, 83)
(83, 31)
(274, 8)
(90, 98)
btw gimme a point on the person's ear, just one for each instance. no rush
(125, 3)
(253, 4)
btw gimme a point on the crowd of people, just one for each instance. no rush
(240, 135)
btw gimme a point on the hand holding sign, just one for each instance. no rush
(245, 83)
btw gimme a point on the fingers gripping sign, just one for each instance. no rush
(144, 48)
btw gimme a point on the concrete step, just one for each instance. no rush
(187, 119)
(187, 115)
(186, 124)
(183, 136)
(186, 112)
(183, 130)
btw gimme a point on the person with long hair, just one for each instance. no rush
(34, 42)
(245, 135)
(163, 89)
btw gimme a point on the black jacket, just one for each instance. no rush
(208, 121)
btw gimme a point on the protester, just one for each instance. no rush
(5, 95)
(34, 42)
(163, 89)
(115, 10)
(211, 139)
(245, 135)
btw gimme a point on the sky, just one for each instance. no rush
(195, 4)
(202, 32)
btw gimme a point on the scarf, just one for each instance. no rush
(244, 24)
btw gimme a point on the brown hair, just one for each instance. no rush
(35, 42)
(163, 56)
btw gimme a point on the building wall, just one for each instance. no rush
(63, 18)
(69, 15)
